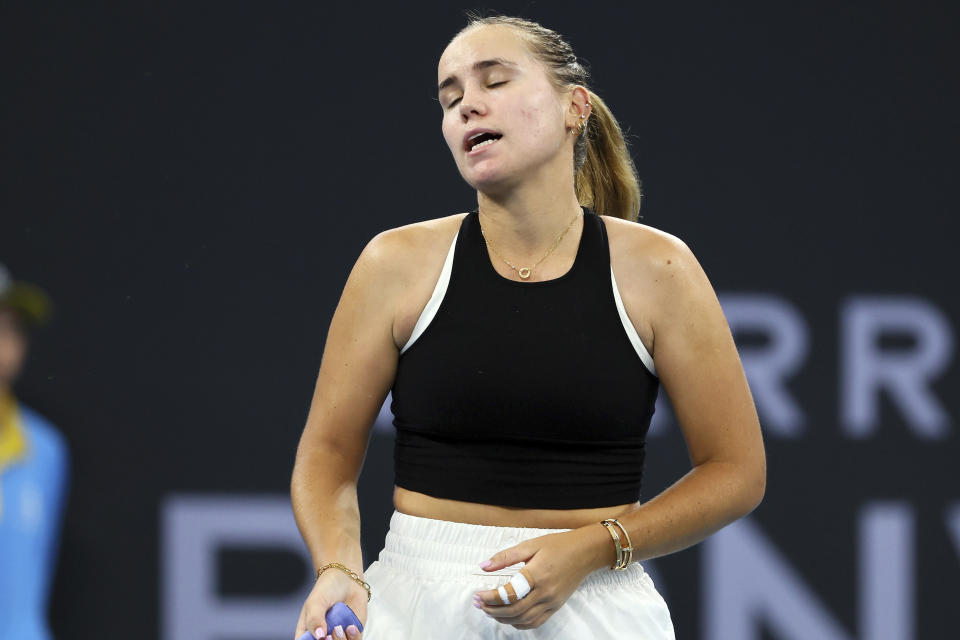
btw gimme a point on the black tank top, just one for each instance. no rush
(524, 394)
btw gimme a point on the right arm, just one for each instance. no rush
(357, 370)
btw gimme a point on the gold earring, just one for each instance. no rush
(582, 126)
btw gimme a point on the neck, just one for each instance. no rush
(528, 218)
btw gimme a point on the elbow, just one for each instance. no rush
(758, 490)
(746, 484)
(754, 488)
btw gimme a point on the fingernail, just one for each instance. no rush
(318, 633)
(352, 630)
(338, 632)
(485, 564)
(478, 605)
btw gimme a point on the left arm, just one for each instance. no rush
(698, 366)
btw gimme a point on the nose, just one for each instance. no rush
(471, 104)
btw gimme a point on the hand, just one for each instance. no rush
(332, 587)
(557, 562)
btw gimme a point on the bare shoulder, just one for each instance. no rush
(635, 246)
(401, 254)
(403, 265)
(654, 270)
(405, 246)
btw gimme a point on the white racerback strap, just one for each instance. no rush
(426, 316)
(630, 329)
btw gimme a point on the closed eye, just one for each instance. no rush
(489, 86)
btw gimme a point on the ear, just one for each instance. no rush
(579, 106)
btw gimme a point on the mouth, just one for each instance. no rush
(481, 141)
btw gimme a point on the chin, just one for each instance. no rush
(492, 186)
(490, 180)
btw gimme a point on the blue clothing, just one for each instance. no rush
(33, 491)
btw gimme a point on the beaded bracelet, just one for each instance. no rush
(624, 554)
(350, 573)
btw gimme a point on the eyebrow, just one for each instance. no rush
(482, 64)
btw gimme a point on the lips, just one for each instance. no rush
(475, 136)
(480, 148)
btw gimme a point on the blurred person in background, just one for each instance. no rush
(33, 474)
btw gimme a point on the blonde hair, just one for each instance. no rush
(605, 177)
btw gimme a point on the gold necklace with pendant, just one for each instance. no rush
(524, 272)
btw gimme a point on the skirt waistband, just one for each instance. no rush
(440, 548)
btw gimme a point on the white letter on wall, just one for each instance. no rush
(886, 572)
(904, 375)
(748, 582)
(769, 367)
(194, 529)
(749, 585)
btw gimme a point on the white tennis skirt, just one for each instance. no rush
(428, 571)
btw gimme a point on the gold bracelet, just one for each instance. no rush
(350, 573)
(629, 548)
(616, 541)
(624, 554)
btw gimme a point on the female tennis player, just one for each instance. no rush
(524, 342)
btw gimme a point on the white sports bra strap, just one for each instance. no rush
(630, 329)
(429, 311)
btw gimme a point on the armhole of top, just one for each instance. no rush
(630, 329)
(429, 311)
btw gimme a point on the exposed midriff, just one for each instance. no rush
(424, 506)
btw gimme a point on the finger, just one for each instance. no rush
(519, 587)
(493, 599)
(507, 557)
(338, 632)
(489, 598)
(353, 633)
(538, 621)
(502, 612)
(524, 617)
(526, 574)
(317, 632)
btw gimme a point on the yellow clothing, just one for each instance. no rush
(13, 442)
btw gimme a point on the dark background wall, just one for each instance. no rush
(192, 183)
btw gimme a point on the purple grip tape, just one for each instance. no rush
(339, 614)
(342, 615)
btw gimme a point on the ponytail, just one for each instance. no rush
(606, 178)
